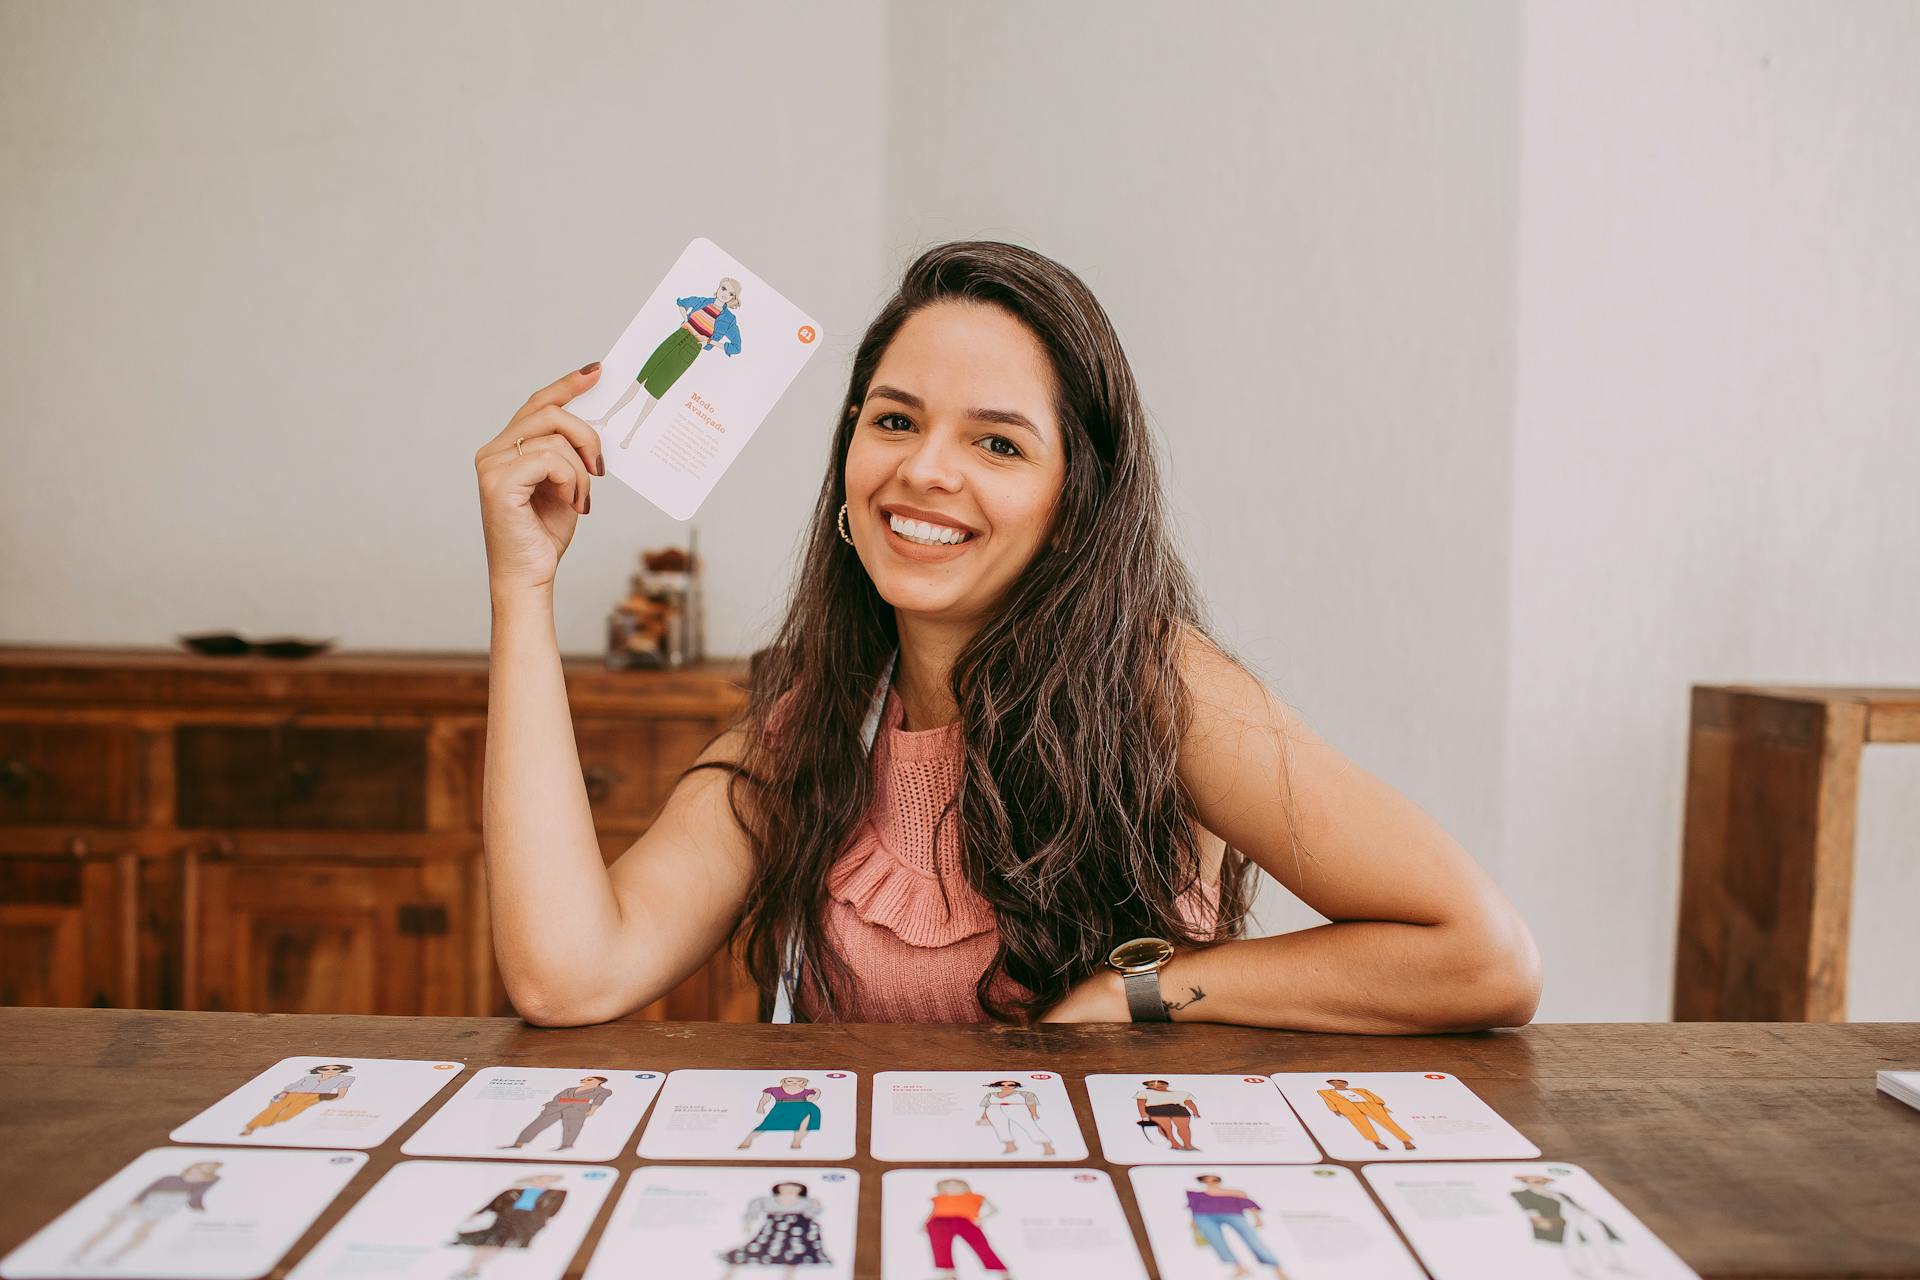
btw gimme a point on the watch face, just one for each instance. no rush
(1140, 954)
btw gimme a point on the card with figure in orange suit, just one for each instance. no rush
(1400, 1115)
(322, 1100)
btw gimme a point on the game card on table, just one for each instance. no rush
(1196, 1119)
(1017, 1115)
(1313, 1222)
(463, 1220)
(322, 1100)
(223, 1213)
(800, 1113)
(1400, 1115)
(695, 1222)
(697, 371)
(1530, 1221)
(1061, 1224)
(545, 1113)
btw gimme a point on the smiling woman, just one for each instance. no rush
(993, 741)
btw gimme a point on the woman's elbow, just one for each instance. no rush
(1504, 983)
(554, 1009)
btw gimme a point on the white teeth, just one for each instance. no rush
(921, 531)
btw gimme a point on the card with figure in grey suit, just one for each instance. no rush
(545, 1113)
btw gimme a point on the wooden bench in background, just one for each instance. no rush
(1766, 887)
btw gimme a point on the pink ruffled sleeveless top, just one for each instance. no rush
(915, 951)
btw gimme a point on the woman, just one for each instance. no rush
(1218, 1209)
(1169, 1110)
(156, 1202)
(1012, 1113)
(1062, 758)
(787, 1234)
(791, 1106)
(510, 1220)
(955, 1216)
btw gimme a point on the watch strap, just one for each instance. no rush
(1143, 997)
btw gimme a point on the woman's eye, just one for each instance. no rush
(1012, 449)
(883, 419)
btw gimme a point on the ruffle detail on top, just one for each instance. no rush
(888, 875)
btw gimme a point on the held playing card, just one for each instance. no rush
(1196, 1119)
(1543, 1221)
(462, 1220)
(1400, 1115)
(699, 1221)
(539, 1113)
(324, 1100)
(992, 1115)
(780, 1114)
(693, 377)
(218, 1213)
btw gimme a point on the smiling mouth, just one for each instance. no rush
(923, 534)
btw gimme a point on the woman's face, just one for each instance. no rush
(922, 451)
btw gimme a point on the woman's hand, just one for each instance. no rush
(532, 496)
(1100, 998)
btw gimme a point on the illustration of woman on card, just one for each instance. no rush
(957, 1211)
(1014, 1113)
(1563, 1227)
(509, 1221)
(158, 1201)
(326, 1083)
(1169, 1110)
(785, 1228)
(1218, 1209)
(788, 1107)
(706, 321)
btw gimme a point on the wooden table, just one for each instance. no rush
(1753, 1149)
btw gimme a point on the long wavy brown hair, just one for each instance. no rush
(1073, 822)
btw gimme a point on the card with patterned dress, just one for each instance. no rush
(175, 1213)
(463, 1220)
(702, 1222)
(1015, 1116)
(323, 1100)
(792, 1114)
(550, 1113)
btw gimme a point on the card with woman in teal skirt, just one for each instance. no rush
(787, 1107)
(706, 321)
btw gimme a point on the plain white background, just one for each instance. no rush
(1516, 365)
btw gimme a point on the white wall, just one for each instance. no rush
(1716, 448)
(1515, 367)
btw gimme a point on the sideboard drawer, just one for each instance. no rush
(630, 766)
(299, 777)
(59, 774)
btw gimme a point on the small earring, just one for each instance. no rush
(842, 522)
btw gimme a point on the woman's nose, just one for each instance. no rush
(934, 463)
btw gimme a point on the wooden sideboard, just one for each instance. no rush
(297, 836)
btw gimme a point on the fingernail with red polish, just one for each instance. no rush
(590, 368)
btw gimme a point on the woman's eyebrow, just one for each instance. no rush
(1007, 417)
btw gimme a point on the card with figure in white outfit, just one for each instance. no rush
(223, 1213)
(1189, 1119)
(1312, 1222)
(1537, 1220)
(463, 1220)
(547, 1113)
(1400, 1115)
(322, 1100)
(782, 1114)
(965, 1224)
(974, 1115)
(701, 1222)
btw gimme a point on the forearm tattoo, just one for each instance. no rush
(1198, 996)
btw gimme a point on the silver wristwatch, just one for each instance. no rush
(1139, 963)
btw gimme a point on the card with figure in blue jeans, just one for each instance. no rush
(1311, 1222)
